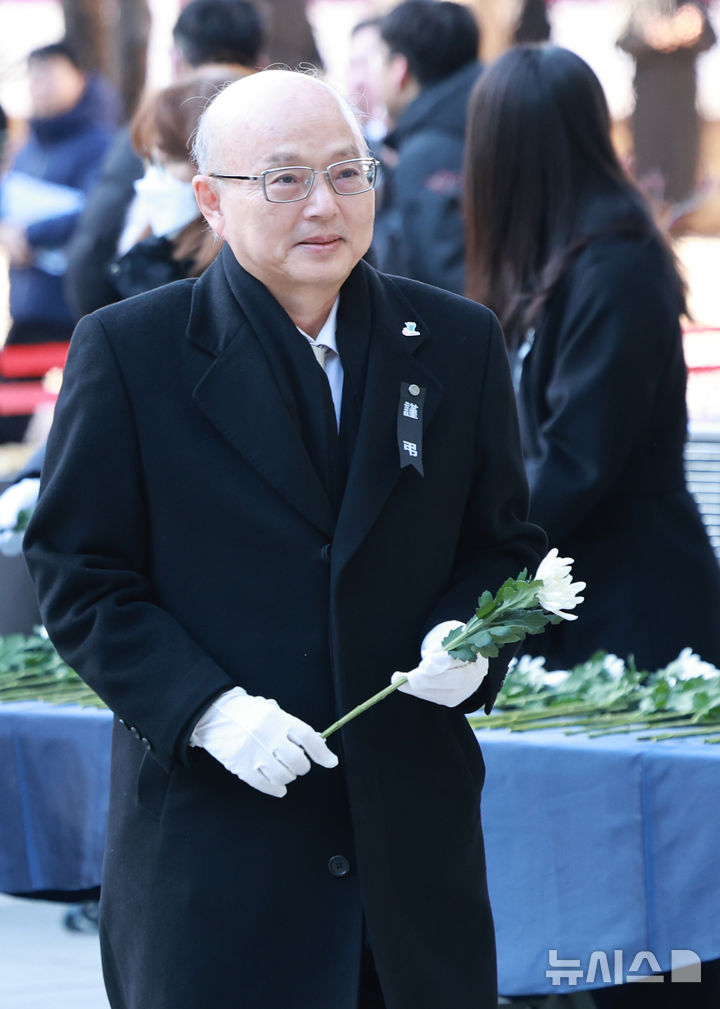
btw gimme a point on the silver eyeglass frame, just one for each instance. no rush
(305, 168)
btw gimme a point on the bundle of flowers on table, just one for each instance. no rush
(607, 695)
(31, 670)
(604, 695)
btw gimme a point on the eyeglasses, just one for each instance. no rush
(287, 185)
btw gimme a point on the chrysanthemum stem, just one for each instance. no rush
(381, 695)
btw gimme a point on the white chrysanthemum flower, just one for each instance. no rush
(559, 592)
(529, 664)
(613, 666)
(531, 669)
(557, 678)
(688, 665)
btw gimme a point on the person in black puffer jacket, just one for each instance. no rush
(429, 66)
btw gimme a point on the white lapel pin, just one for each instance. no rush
(410, 329)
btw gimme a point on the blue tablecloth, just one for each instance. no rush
(600, 845)
(54, 774)
(593, 845)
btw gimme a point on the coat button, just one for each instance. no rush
(339, 866)
(135, 731)
(325, 553)
(146, 742)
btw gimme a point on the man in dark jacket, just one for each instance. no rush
(43, 193)
(70, 130)
(231, 570)
(429, 67)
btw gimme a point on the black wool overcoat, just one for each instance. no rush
(180, 546)
(603, 418)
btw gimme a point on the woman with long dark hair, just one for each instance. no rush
(563, 248)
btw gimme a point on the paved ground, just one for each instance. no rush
(42, 965)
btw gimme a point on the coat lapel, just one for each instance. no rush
(375, 468)
(238, 394)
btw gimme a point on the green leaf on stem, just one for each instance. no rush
(486, 604)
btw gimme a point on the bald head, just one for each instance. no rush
(302, 248)
(270, 100)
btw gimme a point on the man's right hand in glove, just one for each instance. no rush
(259, 742)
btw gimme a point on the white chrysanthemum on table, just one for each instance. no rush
(613, 666)
(687, 666)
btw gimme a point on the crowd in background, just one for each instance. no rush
(412, 100)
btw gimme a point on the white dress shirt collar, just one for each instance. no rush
(333, 364)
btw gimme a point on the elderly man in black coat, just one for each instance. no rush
(230, 571)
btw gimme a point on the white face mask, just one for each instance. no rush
(166, 203)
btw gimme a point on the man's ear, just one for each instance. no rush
(207, 195)
(400, 70)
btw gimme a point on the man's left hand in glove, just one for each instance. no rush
(439, 677)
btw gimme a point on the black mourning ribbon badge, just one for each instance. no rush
(410, 425)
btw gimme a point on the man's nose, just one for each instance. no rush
(322, 197)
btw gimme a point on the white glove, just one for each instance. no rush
(18, 497)
(259, 742)
(440, 677)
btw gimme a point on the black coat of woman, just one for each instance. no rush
(602, 407)
(564, 249)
